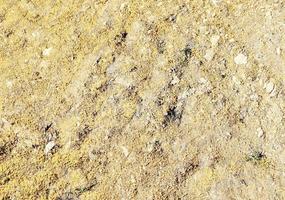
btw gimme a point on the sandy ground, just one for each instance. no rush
(133, 99)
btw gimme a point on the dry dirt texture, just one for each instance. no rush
(142, 99)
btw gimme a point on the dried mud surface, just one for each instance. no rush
(132, 99)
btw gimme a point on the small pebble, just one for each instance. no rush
(92, 155)
(232, 40)
(202, 80)
(260, 132)
(209, 54)
(269, 87)
(228, 135)
(215, 40)
(253, 97)
(175, 80)
(216, 2)
(49, 147)
(9, 84)
(47, 51)
(36, 34)
(123, 6)
(240, 59)
(236, 80)
(278, 51)
(125, 151)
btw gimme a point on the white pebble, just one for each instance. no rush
(92, 156)
(228, 135)
(253, 97)
(125, 151)
(232, 40)
(240, 59)
(209, 54)
(236, 80)
(123, 6)
(216, 2)
(260, 132)
(175, 80)
(9, 84)
(202, 80)
(36, 34)
(278, 51)
(269, 87)
(49, 147)
(46, 52)
(215, 40)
